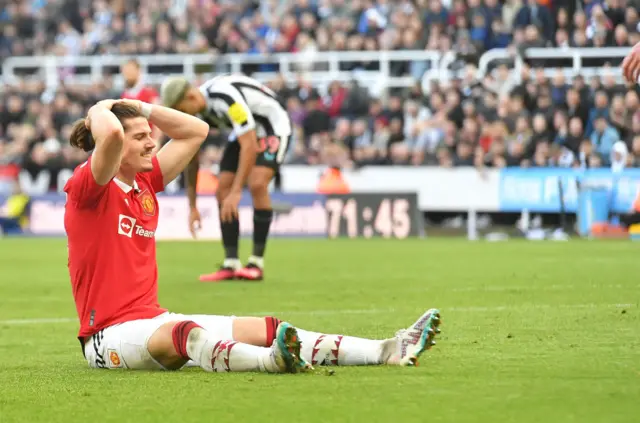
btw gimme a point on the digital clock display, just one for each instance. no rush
(373, 215)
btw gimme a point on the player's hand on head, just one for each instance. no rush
(104, 104)
(195, 222)
(131, 102)
(107, 104)
(229, 209)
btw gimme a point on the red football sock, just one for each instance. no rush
(180, 334)
(272, 327)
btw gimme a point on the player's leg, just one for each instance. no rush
(259, 180)
(175, 343)
(124, 346)
(277, 181)
(331, 349)
(267, 165)
(319, 348)
(403, 349)
(230, 230)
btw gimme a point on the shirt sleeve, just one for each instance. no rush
(226, 100)
(82, 188)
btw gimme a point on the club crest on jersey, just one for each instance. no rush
(126, 225)
(238, 114)
(114, 358)
(148, 204)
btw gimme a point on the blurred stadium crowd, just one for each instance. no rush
(493, 122)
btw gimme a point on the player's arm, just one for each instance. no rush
(191, 177)
(156, 133)
(187, 133)
(244, 127)
(108, 136)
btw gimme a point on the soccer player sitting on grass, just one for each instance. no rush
(111, 216)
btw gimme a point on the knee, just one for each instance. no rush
(259, 187)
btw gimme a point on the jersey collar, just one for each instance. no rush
(126, 187)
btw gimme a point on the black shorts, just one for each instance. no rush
(271, 153)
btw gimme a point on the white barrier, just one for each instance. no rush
(576, 55)
(439, 189)
(48, 68)
(307, 218)
(465, 188)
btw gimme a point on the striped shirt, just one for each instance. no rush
(243, 104)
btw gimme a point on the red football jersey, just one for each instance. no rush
(142, 93)
(112, 249)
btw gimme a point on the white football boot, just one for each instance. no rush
(408, 344)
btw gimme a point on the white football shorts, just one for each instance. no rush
(124, 346)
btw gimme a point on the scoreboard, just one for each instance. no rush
(373, 215)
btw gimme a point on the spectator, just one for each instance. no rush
(500, 119)
(335, 100)
(536, 16)
(619, 116)
(576, 135)
(576, 106)
(619, 156)
(601, 108)
(603, 136)
(317, 121)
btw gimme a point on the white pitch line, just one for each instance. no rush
(536, 307)
(538, 288)
(320, 312)
(38, 321)
(471, 309)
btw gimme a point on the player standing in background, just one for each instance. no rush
(137, 90)
(258, 144)
(111, 216)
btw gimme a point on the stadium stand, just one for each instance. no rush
(483, 83)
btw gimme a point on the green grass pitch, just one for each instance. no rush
(532, 332)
